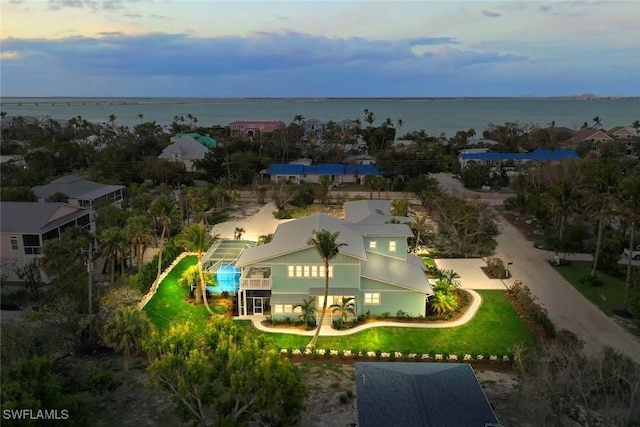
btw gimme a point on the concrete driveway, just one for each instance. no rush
(567, 308)
(471, 274)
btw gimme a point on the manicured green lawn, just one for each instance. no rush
(429, 262)
(168, 305)
(495, 329)
(612, 288)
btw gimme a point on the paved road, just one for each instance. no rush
(567, 308)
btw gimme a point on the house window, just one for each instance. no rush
(372, 298)
(277, 309)
(306, 271)
(31, 243)
(322, 271)
(392, 246)
(297, 309)
(288, 308)
(14, 243)
(373, 244)
(291, 272)
(314, 271)
(298, 271)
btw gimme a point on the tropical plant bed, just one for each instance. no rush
(465, 303)
(487, 272)
(495, 329)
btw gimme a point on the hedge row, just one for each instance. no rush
(149, 271)
(396, 355)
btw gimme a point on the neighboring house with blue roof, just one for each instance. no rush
(26, 226)
(339, 173)
(421, 395)
(374, 267)
(535, 156)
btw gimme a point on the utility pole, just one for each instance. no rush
(90, 279)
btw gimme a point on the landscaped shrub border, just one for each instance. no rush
(154, 286)
(149, 271)
(522, 296)
(396, 355)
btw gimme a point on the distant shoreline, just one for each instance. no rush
(69, 100)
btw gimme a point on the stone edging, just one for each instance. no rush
(156, 283)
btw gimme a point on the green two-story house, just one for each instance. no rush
(374, 266)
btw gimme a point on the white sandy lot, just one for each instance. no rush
(255, 225)
(471, 275)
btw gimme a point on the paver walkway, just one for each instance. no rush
(328, 331)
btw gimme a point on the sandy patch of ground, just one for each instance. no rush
(256, 221)
(327, 382)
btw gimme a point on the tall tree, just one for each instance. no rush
(597, 122)
(600, 182)
(139, 234)
(628, 205)
(326, 245)
(419, 226)
(112, 240)
(221, 375)
(196, 238)
(126, 332)
(166, 211)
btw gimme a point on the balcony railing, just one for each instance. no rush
(257, 283)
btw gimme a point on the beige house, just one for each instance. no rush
(26, 226)
(186, 150)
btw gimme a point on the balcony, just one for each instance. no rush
(256, 278)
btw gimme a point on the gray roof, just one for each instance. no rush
(75, 187)
(370, 212)
(420, 394)
(187, 148)
(396, 272)
(36, 218)
(292, 236)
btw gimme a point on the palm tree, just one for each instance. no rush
(597, 123)
(308, 310)
(345, 307)
(628, 205)
(369, 117)
(166, 211)
(400, 207)
(126, 332)
(196, 238)
(636, 126)
(191, 277)
(237, 234)
(111, 243)
(443, 303)
(400, 123)
(420, 224)
(327, 246)
(138, 231)
(600, 183)
(298, 118)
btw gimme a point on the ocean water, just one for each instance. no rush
(431, 115)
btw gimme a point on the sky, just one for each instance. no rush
(321, 48)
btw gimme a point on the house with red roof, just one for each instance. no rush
(253, 128)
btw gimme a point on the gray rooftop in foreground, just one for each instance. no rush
(75, 187)
(420, 395)
(35, 218)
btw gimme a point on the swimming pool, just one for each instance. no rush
(227, 278)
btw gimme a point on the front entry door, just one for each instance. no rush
(258, 307)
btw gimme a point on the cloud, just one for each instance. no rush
(491, 14)
(270, 64)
